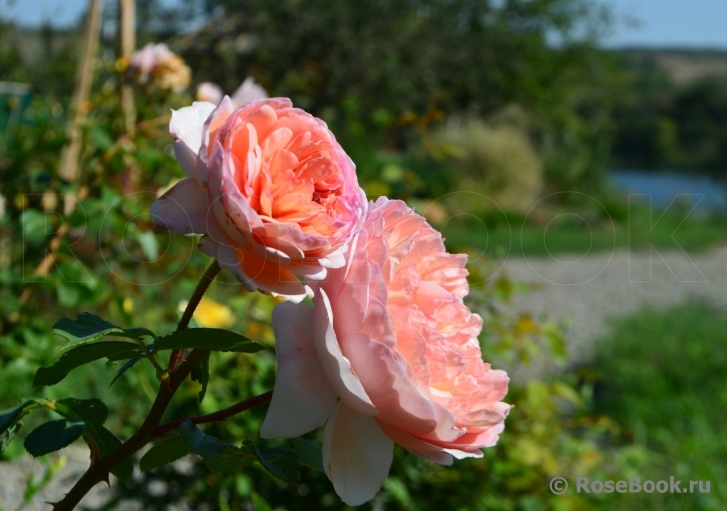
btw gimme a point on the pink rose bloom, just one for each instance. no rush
(160, 66)
(270, 189)
(144, 61)
(389, 354)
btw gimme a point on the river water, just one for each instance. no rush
(688, 189)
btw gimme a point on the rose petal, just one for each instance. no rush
(182, 209)
(187, 124)
(337, 367)
(302, 397)
(357, 455)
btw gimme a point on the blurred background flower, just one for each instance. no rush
(247, 91)
(157, 65)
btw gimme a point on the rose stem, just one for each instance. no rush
(99, 470)
(217, 416)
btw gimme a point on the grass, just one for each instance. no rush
(663, 380)
(578, 233)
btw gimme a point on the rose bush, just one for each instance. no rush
(388, 354)
(269, 187)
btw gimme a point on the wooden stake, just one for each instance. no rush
(127, 45)
(84, 78)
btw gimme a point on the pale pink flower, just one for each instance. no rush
(160, 66)
(388, 354)
(210, 93)
(269, 187)
(248, 91)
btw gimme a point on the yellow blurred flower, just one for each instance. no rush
(210, 314)
(128, 305)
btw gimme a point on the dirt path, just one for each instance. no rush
(588, 292)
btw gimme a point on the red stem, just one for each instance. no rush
(217, 416)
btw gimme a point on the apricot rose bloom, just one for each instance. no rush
(388, 354)
(270, 189)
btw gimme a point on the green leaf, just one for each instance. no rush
(102, 442)
(200, 443)
(232, 459)
(89, 327)
(53, 436)
(149, 245)
(211, 339)
(88, 410)
(259, 502)
(101, 138)
(11, 420)
(161, 454)
(281, 463)
(68, 294)
(309, 453)
(128, 365)
(201, 374)
(80, 356)
(33, 225)
(283, 460)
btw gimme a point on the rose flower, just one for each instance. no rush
(388, 354)
(160, 66)
(269, 187)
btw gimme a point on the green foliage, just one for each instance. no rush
(211, 339)
(233, 459)
(164, 453)
(53, 436)
(201, 374)
(282, 461)
(112, 350)
(665, 123)
(11, 422)
(127, 365)
(88, 410)
(660, 374)
(381, 73)
(553, 228)
(199, 443)
(496, 167)
(89, 328)
(102, 443)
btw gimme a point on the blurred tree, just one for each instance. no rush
(665, 125)
(382, 71)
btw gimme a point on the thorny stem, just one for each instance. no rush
(99, 469)
(217, 416)
(209, 275)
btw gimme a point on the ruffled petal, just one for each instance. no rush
(337, 367)
(385, 377)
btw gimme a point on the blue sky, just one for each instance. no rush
(691, 23)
